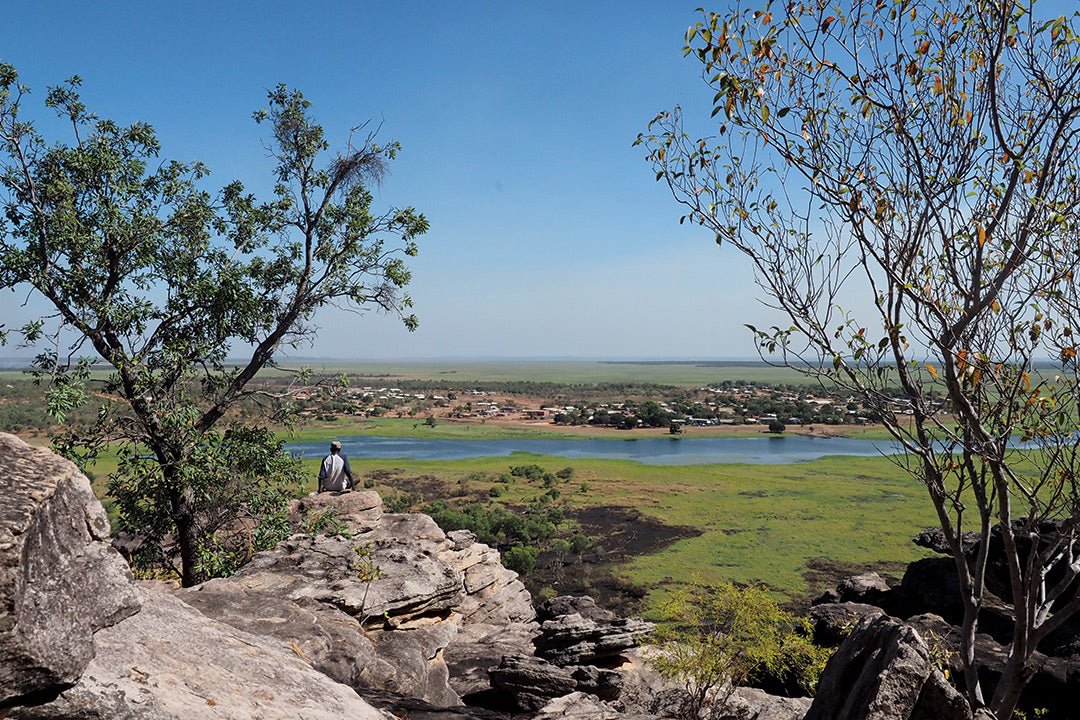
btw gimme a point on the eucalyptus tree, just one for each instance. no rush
(164, 280)
(921, 153)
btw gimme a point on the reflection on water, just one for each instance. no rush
(651, 451)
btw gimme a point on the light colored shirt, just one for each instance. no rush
(335, 475)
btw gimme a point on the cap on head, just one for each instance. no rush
(336, 445)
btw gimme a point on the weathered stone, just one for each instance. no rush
(574, 640)
(880, 672)
(834, 621)
(532, 681)
(477, 647)
(357, 510)
(494, 595)
(580, 706)
(753, 704)
(1053, 683)
(170, 662)
(931, 585)
(582, 605)
(868, 588)
(603, 683)
(409, 581)
(60, 581)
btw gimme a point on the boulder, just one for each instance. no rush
(574, 640)
(753, 704)
(931, 585)
(582, 605)
(1054, 681)
(60, 580)
(170, 662)
(532, 681)
(868, 588)
(884, 671)
(477, 647)
(404, 581)
(832, 622)
(580, 706)
(357, 510)
(384, 609)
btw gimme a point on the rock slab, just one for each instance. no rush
(170, 662)
(60, 580)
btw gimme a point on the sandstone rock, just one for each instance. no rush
(493, 593)
(60, 581)
(532, 681)
(834, 621)
(357, 510)
(580, 706)
(603, 683)
(931, 585)
(582, 605)
(753, 704)
(574, 640)
(883, 671)
(409, 582)
(868, 588)
(477, 647)
(169, 662)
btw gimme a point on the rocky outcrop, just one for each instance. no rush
(60, 581)
(170, 662)
(383, 608)
(884, 671)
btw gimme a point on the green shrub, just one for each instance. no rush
(521, 559)
(718, 636)
(401, 502)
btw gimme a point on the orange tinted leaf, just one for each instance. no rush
(982, 235)
(924, 48)
(932, 370)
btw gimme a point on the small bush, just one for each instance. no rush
(369, 482)
(521, 559)
(719, 636)
(565, 474)
(401, 502)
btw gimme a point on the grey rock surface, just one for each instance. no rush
(170, 662)
(883, 671)
(574, 640)
(581, 706)
(532, 681)
(753, 704)
(832, 622)
(60, 580)
(479, 646)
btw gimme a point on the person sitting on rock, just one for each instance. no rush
(334, 473)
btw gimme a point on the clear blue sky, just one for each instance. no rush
(549, 236)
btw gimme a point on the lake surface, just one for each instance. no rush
(651, 451)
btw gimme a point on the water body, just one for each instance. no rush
(650, 451)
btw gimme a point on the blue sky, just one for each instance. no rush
(549, 236)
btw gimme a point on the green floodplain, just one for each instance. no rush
(795, 528)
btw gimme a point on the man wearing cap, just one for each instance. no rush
(335, 474)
